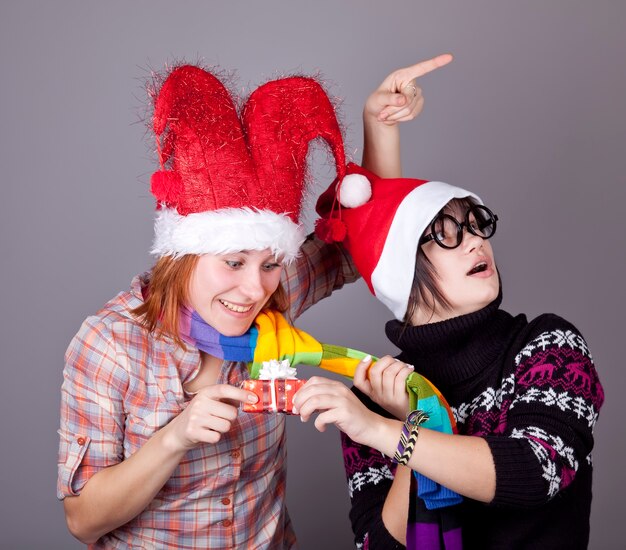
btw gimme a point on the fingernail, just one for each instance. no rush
(253, 398)
(367, 358)
(294, 410)
(411, 367)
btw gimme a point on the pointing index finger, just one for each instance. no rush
(429, 65)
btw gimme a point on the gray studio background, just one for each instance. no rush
(530, 115)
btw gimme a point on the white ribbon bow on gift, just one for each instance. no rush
(276, 370)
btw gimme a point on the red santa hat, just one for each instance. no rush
(230, 183)
(380, 222)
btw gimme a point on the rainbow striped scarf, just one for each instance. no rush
(273, 337)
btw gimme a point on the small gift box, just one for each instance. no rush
(274, 395)
(275, 388)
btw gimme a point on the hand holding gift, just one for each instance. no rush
(275, 388)
(280, 346)
(276, 340)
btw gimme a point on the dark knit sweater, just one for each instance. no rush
(532, 392)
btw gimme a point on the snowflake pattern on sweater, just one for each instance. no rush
(532, 392)
(555, 371)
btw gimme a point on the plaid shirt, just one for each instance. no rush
(121, 385)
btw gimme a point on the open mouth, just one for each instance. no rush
(478, 268)
(234, 307)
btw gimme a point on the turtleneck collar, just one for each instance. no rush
(453, 351)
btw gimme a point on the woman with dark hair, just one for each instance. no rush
(525, 393)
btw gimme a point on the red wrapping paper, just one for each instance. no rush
(278, 400)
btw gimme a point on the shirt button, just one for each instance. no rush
(80, 441)
(227, 523)
(235, 454)
(225, 501)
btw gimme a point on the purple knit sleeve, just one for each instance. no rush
(550, 405)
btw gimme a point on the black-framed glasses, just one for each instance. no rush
(447, 231)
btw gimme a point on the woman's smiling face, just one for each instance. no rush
(229, 290)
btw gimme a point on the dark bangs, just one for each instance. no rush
(425, 279)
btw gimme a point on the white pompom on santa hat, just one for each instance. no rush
(354, 190)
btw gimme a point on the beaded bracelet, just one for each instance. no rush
(408, 437)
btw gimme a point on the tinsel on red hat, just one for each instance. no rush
(383, 220)
(228, 183)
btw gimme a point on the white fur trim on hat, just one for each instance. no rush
(226, 230)
(392, 277)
